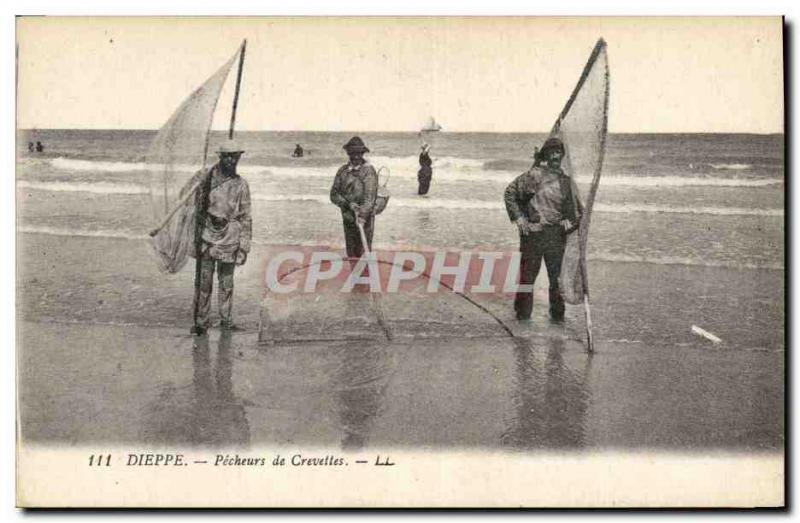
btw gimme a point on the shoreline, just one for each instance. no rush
(117, 235)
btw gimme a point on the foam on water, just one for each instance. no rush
(446, 169)
(731, 166)
(417, 203)
(439, 203)
(95, 187)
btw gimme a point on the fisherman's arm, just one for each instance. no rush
(337, 197)
(511, 197)
(245, 219)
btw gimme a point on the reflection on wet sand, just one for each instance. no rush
(550, 399)
(207, 413)
(360, 377)
(424, 222)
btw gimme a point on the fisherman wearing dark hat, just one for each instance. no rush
(223, 206)
(354, 191)
(544, 204)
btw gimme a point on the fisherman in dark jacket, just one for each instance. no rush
(425, 172)
(544, 204)
(354, 191)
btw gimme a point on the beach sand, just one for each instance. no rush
(105, 357)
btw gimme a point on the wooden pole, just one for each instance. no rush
(236, 92)
(587, 311)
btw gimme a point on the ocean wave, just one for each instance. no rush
(417, 203)
(599, 256)
(71, 164)
(448, 169)
(439, 203)
(93, 187)
(731, 166)
(680, 181)
(680, 260)
(81, 233)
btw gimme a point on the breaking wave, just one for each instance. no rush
(437, 203)
(416, 203)
(731, 166)
(446, 169)
(95, 187)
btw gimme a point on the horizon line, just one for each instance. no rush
(389, 131)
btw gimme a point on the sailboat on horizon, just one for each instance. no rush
(431, 126)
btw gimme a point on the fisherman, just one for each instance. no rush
(30, 147)
(226, 234)
(544, 204)
(39, 147)
(425, 172)
(298, 151)
(355, 190)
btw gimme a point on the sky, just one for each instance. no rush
(389, 74)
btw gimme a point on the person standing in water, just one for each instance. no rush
(226, 234)
(354, 191)
(298, 151)
(544, 204)
(425, 172)
(39, 147)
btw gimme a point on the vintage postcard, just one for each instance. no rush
(400, 262)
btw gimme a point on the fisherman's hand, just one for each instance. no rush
(241, 257)
(355, 207)
(522, 225)
(566, 225)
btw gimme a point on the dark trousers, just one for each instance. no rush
(424, 178)
(548, 244)
(352, 238)
(224, 292)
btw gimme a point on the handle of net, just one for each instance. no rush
(363, 236)
(177, 206)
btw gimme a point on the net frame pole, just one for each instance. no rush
(238, 86)
(599, 47)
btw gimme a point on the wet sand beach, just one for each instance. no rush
(105, 357)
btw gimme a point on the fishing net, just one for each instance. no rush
(176, 154)
(383, 191)
(582, 126)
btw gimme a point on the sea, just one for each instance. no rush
(709, 200)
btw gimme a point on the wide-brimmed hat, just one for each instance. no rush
(355, 144)
(229, 147)
(552, 143)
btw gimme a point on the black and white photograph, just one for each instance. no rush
(400, 262)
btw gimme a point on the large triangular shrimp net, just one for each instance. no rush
(177, 152)
(583, 128)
